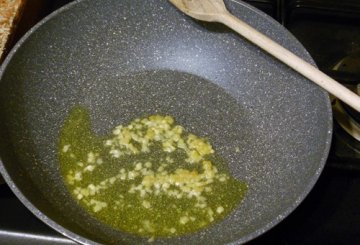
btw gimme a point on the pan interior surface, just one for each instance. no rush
(125, 59)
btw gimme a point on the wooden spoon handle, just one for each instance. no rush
(292, 60)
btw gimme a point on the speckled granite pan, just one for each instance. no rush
(123, 59)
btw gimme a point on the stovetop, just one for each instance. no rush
(330, 31)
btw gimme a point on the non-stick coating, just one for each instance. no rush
(129, 58)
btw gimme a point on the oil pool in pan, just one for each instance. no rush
(150, 177)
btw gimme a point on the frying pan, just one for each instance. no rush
(124, 59)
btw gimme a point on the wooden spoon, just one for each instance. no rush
(215, 11)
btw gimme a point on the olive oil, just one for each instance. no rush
(150, 177)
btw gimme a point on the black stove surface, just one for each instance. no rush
(330, 31)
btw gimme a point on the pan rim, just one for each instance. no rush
(311, 184)
(8, 180)
(260, 231)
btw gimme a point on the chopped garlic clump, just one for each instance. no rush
(140, 135)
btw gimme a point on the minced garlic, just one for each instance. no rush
(140, 135)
